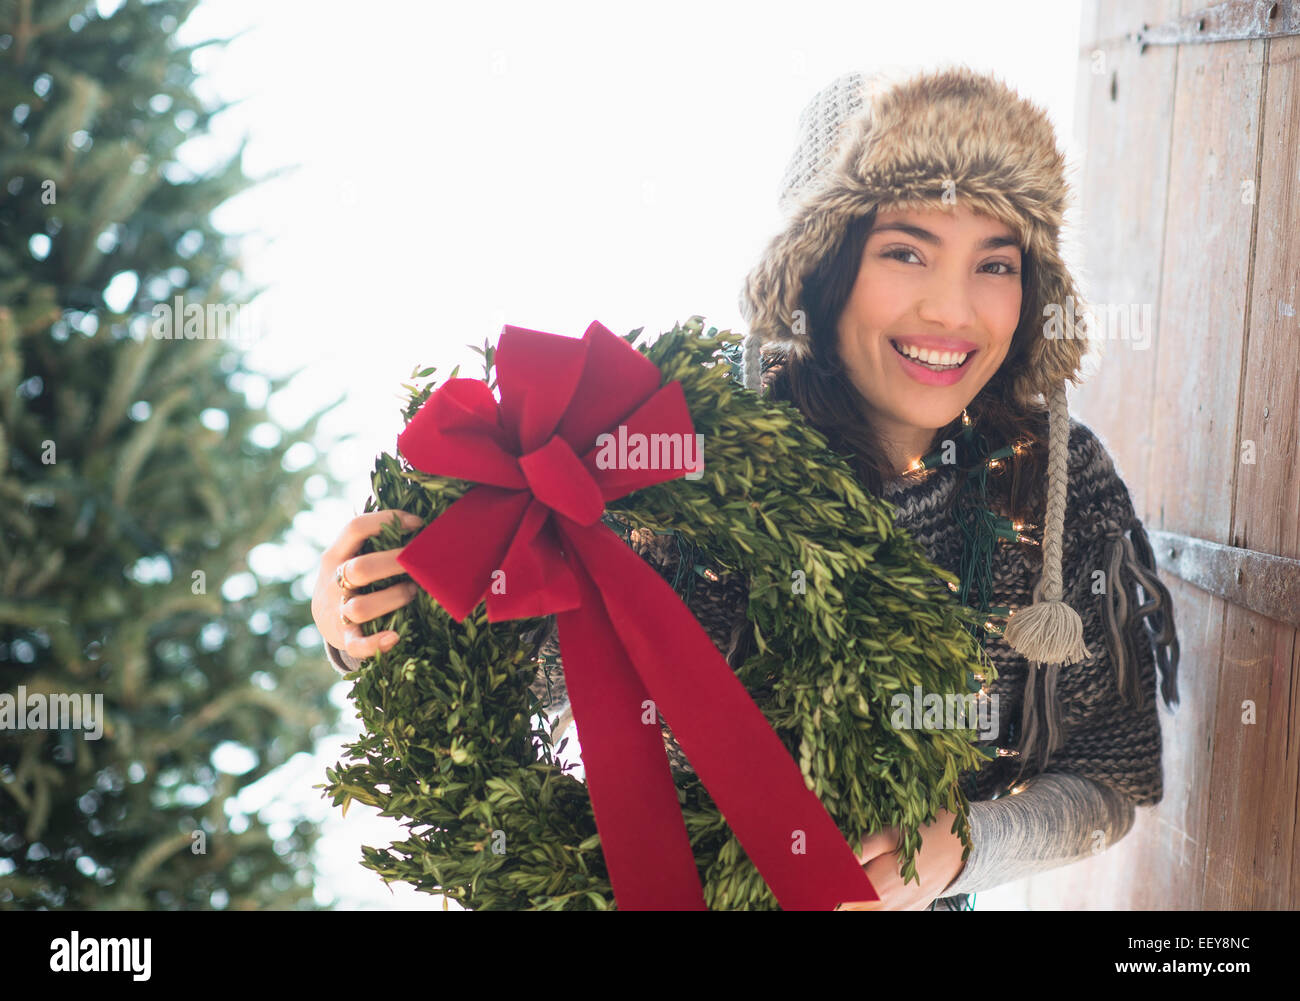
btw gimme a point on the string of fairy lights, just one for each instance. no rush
(983, 527)
(983, 530)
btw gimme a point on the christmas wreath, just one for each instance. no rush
(844, 609)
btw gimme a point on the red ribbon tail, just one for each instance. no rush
(760, 790)
(642, 833)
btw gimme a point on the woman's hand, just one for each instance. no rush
(938, 863)
(329, 602)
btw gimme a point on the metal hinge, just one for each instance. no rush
(1269, 585)
(1234, 21)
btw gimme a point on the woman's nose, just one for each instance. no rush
(946, 301)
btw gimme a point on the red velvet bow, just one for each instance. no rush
(630, 647)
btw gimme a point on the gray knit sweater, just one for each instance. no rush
(1083, 800)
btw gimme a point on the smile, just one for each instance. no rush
(933, 368)
(936, 360)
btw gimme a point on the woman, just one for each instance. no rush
(913, 293)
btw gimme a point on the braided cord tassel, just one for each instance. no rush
(753, 363)
(1050, 631)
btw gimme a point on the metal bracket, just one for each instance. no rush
(1234, 21)
(1268, 585)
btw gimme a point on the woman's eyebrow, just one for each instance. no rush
(990, 243)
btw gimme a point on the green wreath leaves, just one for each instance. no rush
(456, 746)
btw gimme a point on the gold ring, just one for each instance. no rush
(341, 577)
(343, 615)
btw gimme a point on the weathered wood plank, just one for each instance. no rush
(1123, 194)
(1130, 131)
(1203, 299)
(1256, 774)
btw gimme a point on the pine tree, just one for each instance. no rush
(136, 475)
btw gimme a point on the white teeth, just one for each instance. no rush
(932, 357)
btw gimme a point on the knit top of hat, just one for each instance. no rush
(821, 127)
(898, 138)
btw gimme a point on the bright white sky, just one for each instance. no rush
(463, 166)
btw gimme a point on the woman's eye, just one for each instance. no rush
(898, 253)
(1001, 264)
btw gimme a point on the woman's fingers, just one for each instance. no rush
(363, 526)
(363, 570)
(359, 571)
(364, 607)
(361, 647)
(878, 844)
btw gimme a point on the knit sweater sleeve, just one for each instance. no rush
(1056, 819)
(343, 661)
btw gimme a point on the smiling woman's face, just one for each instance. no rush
(929, 280)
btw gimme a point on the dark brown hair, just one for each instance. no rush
(820, 388)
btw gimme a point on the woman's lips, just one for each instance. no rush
(929, 377)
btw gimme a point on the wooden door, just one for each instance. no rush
(1189, 196)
